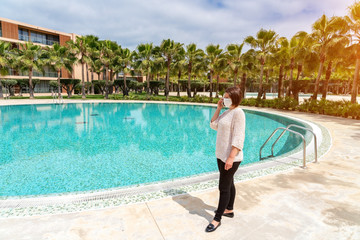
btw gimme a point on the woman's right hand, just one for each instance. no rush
(220, 103)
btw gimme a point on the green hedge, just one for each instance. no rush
(333, 108)
(344, 109)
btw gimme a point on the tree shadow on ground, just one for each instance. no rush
(193, 205)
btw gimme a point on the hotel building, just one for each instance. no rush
(17, 32)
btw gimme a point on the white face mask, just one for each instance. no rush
(227, 102)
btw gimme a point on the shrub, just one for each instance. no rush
(54, 85)
(69, 84)
(9, 85)
(249, 102)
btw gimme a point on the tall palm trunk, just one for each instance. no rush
(327, 78)
(217, 85)
(125, 92)
(1, 91)
(59, 86)
(92, 83)
(178, 84)
(354, 90)
(189, 80)
(87, 77)
(348, 84)
(314, 97)
(148, 83)
(31, 88)
(299, 71)
(260, 81)
(280, 85)
(106, 83)
(83, 81)
(211, 89)
(235, 77)
(167, 80)
(243, 85)
(178, 88)
(99, 76)
(267, 74)
(289, 90)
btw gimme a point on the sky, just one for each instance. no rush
(131, 22)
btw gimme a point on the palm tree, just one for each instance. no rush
(95, 66)
(213, 56)
(326, 33)
(29, 58)
(178, 67)
(299, 51)
(234, 60)
(108, 52)
(167, 50)
(193, 56)
(93, 53)
(334, 57)
(80, 49)
(353, 20)
(221, 70)
(158, 67)
(126, 57)
(59, 57)
(296, 51)
(4, 62)
(264, 41)
(281, 57)
(248, 65)
(145, 54)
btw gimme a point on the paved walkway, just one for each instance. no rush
(321, 202)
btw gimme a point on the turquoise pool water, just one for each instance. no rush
(79, 147)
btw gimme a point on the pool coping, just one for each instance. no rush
(80, 201)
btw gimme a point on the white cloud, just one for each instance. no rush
(199, 21)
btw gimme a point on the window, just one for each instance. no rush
(51, 39)
(48, 72)
(38, 37)
(23, 34)
(0, 30)
(43, 38)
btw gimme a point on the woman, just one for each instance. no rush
(230, 127)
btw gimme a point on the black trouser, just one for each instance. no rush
(226, 188)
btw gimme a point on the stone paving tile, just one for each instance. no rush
(129, 222)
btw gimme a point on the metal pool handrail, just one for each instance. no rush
(289, 130)
(297, 126)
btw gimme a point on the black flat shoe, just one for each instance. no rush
(211, 227)
(229, 215)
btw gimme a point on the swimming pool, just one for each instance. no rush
(80, 147)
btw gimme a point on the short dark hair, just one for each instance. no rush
(235, 95)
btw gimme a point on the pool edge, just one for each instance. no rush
(104, 199)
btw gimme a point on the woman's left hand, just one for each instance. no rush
(229, 163)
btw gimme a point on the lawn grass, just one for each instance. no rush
(132, 96)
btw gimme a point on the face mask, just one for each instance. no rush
(227, 102)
